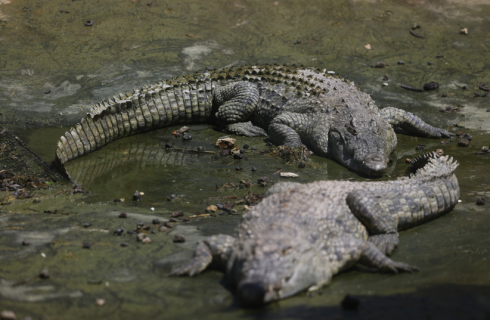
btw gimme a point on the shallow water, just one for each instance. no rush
(132, 44)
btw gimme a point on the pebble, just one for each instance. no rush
(246, 146)
(350, 303)
(168, 224)
(254, 168)
(463, 142)
(163, 229)
(177, 214)
(301, 165)
(385, 84)
(124, 244)
(86, 225)
(25, 243)
(168, 145)
(86, 245)
(123, 215)
(155, 221)
(172, 220)
(146, 240)
(431, 86)
(238, 168)
(99, 302)
(186, 136)
(401, 62)
(178, 238)
(171, 197)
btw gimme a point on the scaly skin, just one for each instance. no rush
(299, 236)
(294, 106)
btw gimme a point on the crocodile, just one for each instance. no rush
(300, 236)
(295, 106)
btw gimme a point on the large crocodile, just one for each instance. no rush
(297, 106)
(302, 235)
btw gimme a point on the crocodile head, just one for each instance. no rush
(363, 144)
(272, 269)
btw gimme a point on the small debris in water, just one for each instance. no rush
(264, 181)
(25, 243)
(99, 302)
(94, 281)
(301, 165)
(463, 31)
(380, 65)
(288, 175)
(124, 244)
(123, 215)
(350, 303)
(7, 315)
(86, 225)
(176, 214)
(401, 62)
(254, 168)
(178, 238)
(155, 221)
(431, 86)
(171, 197)
(86, 245)
(119, 231)
(168, 224)
(152, 209)
(44, 274)
(168, 145)
(119, 200)
(416, 35)
(225, 143)
(137, 196)
(186, 136)
(480, 201)
(238, 168)
(385, 84)
(367, 46)
(163, 229)
(211, 208)
(172, 220)
(89, 23)
(200, 149)
(77, 189)
(246, 146)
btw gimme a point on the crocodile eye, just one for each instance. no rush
(375, 126)
(352, 127)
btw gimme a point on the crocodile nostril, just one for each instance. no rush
(377, 158)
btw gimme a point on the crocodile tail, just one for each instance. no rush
(432, 166)
(157, 106)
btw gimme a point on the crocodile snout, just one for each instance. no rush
(376, 164)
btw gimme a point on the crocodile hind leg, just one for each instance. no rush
(375, 211)
(237, 103)
(212, 249)
(411, 123)
(371, 256)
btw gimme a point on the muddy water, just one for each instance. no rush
(53, 68)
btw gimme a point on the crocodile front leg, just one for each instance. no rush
(212, 249)
(295, 129)
(411, 123)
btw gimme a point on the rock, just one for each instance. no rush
(463, 142)
(264, 181)
(480, 201)
(350, 303)
(163, 229)
(44, 274)
(178, 238)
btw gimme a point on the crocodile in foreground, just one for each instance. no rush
(297, 106)
(300, 236)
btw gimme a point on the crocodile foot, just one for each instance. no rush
(245, 129)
